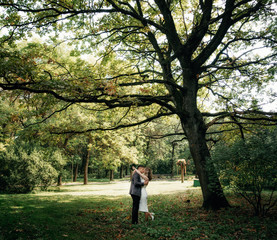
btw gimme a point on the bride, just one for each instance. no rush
(143, 207)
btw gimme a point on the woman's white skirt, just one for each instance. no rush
(143, 200)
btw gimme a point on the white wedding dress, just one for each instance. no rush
(143, 199)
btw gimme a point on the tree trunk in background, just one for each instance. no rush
(72, 172)
(111, 175)
(98, 173)
(67, 137)
(121, 171)
(86, 169)
(75, 173)
(87, 161)
(60, 180)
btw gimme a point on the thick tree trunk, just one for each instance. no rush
(213, 196)
(195, 131)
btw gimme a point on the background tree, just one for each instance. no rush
(26, 165)
(160, 53)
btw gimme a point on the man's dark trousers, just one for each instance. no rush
(135, 209)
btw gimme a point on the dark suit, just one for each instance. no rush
(135, 191)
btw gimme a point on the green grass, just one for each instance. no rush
(55, 216)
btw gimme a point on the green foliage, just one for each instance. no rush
(24, 166)
(249, 167)
(112, 149)
(148, 54)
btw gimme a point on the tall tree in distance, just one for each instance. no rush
(161, 55)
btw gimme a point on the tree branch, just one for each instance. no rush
(115, 127)
(49, 116)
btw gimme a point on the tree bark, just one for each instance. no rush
(195, 130)
(86, 169)
(213, 196)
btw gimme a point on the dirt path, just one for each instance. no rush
(118, 188)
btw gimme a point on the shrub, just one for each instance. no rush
(249, 168)
(23, 167)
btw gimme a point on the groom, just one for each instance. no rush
(135, 191)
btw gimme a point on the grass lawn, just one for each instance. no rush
(67, 216)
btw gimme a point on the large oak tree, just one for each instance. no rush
(165, 53)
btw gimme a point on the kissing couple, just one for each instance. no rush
(140, 179)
